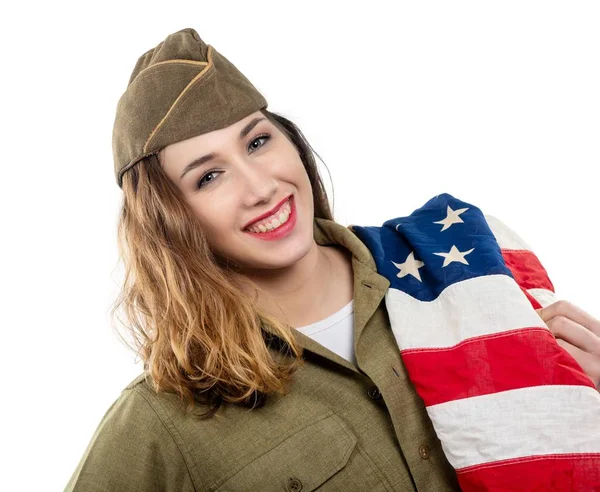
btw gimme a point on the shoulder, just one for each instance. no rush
(134, 410)
(133, 447)
(133, 413)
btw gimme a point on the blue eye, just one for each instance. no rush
(265, 135)
(201, 182)
(203, 179)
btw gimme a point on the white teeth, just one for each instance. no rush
(275, 222)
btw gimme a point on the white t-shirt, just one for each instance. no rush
(335, 332)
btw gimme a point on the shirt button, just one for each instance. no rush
(374, 393)
(294, 485)
(424, 452)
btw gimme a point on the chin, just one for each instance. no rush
(262, 258)
(292, 253)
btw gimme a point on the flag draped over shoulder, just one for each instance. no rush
(512, 409)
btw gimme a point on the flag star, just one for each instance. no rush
(452, 217)
(410, 267)
(455, 255)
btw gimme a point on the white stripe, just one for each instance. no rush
(544, 296)
(474, 307)
(509, 239)
(531, 421)
(505, 236)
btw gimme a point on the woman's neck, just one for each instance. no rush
(313, 288)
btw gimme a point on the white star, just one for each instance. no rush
(451, 218)
(410, 267)
(454, 255)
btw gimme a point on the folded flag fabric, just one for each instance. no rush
(512, 409)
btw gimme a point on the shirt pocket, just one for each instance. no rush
(321, 456)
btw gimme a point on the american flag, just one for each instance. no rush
(512, 409)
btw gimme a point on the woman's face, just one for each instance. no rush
(253, 169)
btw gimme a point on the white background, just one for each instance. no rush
(496, 103)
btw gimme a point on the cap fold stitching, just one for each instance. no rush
(192, 82)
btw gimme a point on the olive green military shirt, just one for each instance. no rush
(342, 427)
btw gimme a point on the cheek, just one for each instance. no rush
(294, 170)
(216, 220)
(303, 180)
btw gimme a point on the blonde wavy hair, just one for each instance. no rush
(198, 335)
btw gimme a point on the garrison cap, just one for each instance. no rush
(177, 90)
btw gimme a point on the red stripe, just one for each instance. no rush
(527, 269)
(556, 473)
(492, 363)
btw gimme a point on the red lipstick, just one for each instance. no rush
(281, 231)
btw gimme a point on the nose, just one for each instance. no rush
(259, 184)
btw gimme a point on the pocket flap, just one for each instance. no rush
(309, 456)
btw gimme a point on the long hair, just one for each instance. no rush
(197, 333)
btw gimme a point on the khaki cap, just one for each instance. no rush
(177, 90)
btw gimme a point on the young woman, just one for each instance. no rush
(269, 362)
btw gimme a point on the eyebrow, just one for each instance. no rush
(205, 158)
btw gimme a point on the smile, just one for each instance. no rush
(276, 220)
(278, 226)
